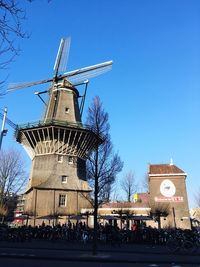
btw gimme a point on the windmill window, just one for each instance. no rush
(66, 110)
(64, 179)
(62, 200)
(71, 160)
(47, 142)
(60, 158)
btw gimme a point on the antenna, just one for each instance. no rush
(4, 120)
(3, 131)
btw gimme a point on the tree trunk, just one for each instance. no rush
(95, 227)
(2, 219)
(27, 220)
(95, 205)
(159, 222)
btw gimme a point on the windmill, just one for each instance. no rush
(58, 144)
(74, 78)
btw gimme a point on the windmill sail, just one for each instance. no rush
(75, 76)
(16, 86)
(89, 72)
(62, 56)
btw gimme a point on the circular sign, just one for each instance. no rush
(167, 188)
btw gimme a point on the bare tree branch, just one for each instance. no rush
(159, 210)
(108, 164)
(145, 183)
(128, 185)
(12, 174)
(12, 18)
(102, 164)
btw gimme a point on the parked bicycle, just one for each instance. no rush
(179, 242)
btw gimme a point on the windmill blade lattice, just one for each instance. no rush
(86, 73)
(76, 76)
(62, 56)
(16, 86)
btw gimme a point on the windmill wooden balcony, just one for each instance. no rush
(57, 137)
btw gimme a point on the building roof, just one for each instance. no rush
(142, 203)
(165, 169)
(56, 184)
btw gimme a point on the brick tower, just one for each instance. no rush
(167, 189)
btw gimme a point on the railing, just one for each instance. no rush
(51, 122)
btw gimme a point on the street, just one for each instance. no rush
(57, 253)
(6, 262)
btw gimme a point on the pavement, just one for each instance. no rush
(74, 251)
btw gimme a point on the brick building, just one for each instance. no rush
(167, 188)
(165, 205)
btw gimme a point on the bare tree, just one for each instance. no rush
(125, 214)
(102, 165)
(145, 183)
(115, 194)
(12, 175)
(102, 162)
(159, 210)
(3, 212)
(12, 16)
(128, 185)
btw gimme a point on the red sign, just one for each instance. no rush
(18, 221)
(168, 199)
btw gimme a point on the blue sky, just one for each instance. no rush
(152, 93)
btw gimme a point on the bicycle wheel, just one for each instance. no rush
(188, 246)
(172, 245)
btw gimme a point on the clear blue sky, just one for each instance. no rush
(152, 94)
